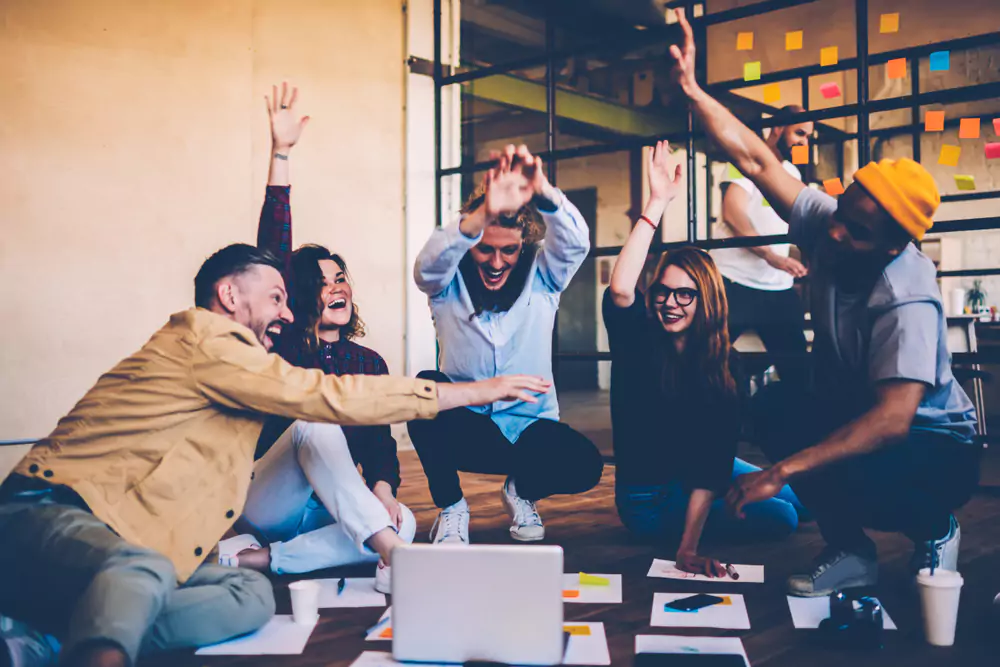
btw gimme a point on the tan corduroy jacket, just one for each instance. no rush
(161, 448)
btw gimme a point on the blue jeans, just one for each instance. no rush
(658, 511)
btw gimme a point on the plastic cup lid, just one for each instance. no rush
(941, 578)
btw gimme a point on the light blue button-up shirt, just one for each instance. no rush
(513, 342)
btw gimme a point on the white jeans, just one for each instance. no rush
(306, 535)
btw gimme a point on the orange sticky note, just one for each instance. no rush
(996, 126)
(800, 155)
(889, 23)
(965, 182)
(772, 93)
(829, 55)
(571, 594)
(581, 630)
(385, 634)
(949, 155)
(934, 121)
(751, 71)
(833, 187)
(896, 68)
(726, 600)
(969, 128)
(793, 40)
(744, 41)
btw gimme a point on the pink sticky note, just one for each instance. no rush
(992, 151)
(830, 90)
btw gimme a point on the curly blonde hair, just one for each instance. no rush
(526, 219)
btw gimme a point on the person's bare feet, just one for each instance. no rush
(255, 559)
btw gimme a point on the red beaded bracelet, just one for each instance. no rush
(651, 223)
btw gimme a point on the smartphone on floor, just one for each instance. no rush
(694, 602)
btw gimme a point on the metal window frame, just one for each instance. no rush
(861, 110)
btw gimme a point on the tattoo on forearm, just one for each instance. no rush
(279, 156)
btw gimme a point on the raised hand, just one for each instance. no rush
(507, 189)
(286, 127)
(662, 187)
(683, 71)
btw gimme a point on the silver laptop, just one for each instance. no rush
(491, 603)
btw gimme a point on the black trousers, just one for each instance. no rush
(779, 320)
(909, 487)
(549, 458)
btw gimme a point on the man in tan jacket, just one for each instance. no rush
(108, 520)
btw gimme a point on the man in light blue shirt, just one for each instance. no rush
(494, 285)
(886, 441)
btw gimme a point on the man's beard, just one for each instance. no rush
(487, 300)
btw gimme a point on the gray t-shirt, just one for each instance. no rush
(895, 331)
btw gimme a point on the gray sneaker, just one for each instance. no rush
(938, 554)
(834, 570)
(21, 646)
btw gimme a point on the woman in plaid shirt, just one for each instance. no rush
(307, 501)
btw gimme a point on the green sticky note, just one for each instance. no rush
(593, 580)
(751, 71)
(765, 203)
(733, 173)
(965, 182)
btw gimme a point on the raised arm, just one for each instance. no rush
(274, 232)
(662, 190)
(746, 150)
(506, 191)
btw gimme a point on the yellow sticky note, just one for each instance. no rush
(833, 187)
(744, 41)
(772, 93)
(765, 203)
(965, 182)
(751, 71)
(580, 630)
(793, 40)
(592, 580)
(889, 23)
(726, 600)
(949, 155)
(896, 68)
(732, 172)
(968, 128)
(829, 55)
(934, 121)
(800, 155)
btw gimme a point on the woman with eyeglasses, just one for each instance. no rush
(674, 404)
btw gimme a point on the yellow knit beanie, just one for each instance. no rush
(905, 190)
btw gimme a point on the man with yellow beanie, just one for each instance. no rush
(886, 439)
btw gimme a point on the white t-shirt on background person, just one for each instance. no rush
(741, 265)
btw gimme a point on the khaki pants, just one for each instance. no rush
(64, 572)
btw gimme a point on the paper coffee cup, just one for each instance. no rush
(939, 594)
(305, 601)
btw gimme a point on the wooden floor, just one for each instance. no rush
(588, 529)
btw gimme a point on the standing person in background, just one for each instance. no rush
(674, 405)
(308, 504)
(759, 281)
(886, 439)
(494, 286)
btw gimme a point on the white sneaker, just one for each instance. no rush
(383, 578)
(452, 524)
(526, 525)
(939, 554)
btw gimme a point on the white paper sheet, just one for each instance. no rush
(678, 644)
(279, 636)
(589, 594)
(667, 569)
(727, 616)
(380, 627)
(357, 593)
(589, 649)
(808, 612)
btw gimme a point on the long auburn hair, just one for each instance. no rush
(532, 229)
(304, 301)
(707, 346)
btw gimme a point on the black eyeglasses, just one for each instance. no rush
(684, 296)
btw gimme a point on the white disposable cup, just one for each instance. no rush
(305, 601)
(957, 301)
(939, 594)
